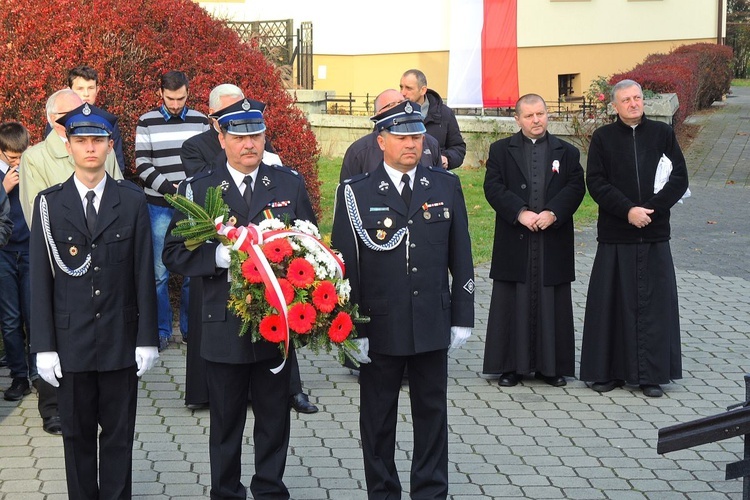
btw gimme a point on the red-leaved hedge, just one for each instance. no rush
(131, 44)
(699, 74)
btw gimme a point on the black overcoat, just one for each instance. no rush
(507, 190)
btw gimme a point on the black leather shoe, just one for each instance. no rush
(652, 390)
(508, 379)
(607, 386)
(302, 404)
(197, 406)
(17, 390)
(52, 425)
(553, 380)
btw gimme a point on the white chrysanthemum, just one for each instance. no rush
(306, 227)
(343, 289)
(271, 225)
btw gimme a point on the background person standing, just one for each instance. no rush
(631, 329)
(534, 182)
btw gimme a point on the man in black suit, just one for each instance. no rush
(93, 326)
(199, 153)
(534, 182)
(234, 363)
(404, 232)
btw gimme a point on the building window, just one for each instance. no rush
(569, 85)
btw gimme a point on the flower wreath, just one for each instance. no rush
(286, 284)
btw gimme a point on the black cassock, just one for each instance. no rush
(530, 325)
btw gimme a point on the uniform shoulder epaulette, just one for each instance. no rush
(285, 169)
(128, 184)
(440, 170)
(357, 178)
(199, 175)
(52, 189)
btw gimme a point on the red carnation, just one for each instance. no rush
(341, 327)
(250, 272)
(301, 317)
(300, 273)
(277, 250)
(286, 288)
(271, 329)
(324, 297)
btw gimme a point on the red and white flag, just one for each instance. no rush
(483, 67)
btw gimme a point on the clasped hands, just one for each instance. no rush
(537, 221)
(640, 217)
(49, 368)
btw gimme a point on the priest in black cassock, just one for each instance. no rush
(534, 182)
(631, 330)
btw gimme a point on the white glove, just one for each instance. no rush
(48, 367)
(459, 336)
(145, 357)
(222, 256)
(364, 347)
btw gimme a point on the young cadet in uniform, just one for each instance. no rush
(403, 232)
(93, 326)
(233, 363)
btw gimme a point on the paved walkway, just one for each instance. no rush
(531, 441)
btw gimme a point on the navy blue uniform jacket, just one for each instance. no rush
(410, 302)
(274, 185)
(94, 321)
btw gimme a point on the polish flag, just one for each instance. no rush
(483, 67)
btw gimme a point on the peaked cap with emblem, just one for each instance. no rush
(244, 117)
(403, 119)
(88, 120)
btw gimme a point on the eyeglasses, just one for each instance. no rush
(12, 159)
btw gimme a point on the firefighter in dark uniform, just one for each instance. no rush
(234, 363)
(403, 232)
(93, 327)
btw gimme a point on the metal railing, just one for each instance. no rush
(561, 109)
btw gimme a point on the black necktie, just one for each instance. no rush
(248, 194)
(406, 191)
(90, 211)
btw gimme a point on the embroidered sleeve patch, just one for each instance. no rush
(469, 286)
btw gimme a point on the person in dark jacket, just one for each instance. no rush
(365, 155)
(402, 231)
(15, 298)
(204, 152)
(94, 327)
(439, 119)
(631, 331)
(534, 182)
(235, 363)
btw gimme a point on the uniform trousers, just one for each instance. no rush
(86, 401)
(228, 388)
(380, 385)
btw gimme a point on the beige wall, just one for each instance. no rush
(574, 22)
(372, 74)
(538, 67)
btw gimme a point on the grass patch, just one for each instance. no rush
(481, 215)
(739, 82)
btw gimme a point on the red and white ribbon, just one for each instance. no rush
(248, 239)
